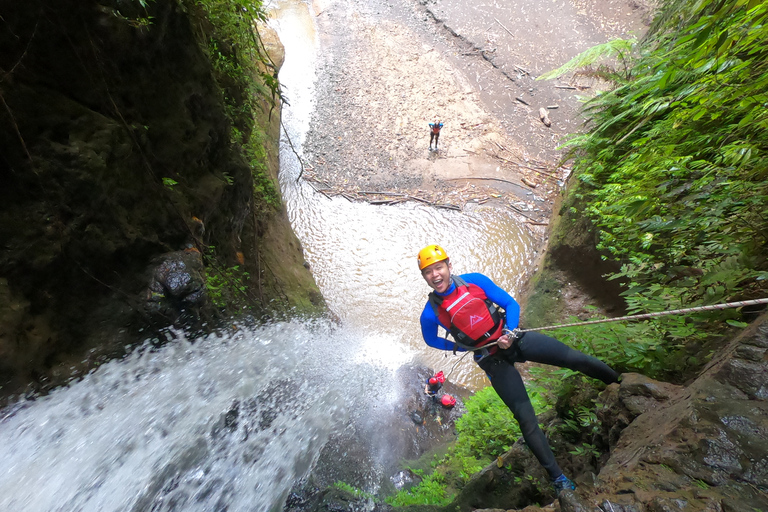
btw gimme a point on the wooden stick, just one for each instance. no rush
(422, 200)
(383, 193)
(489, 179)
(520, 166)
(522, 213)
(505, 28)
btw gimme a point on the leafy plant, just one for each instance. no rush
(586, 449)
(227, 287)
(431, 491)
(486, 413)
(672, 174)
(620, 49)
(358, 493)
(248, 80)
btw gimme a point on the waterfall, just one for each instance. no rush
(226, 422)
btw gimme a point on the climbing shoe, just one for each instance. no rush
(562, 483)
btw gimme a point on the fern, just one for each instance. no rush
(618, 48)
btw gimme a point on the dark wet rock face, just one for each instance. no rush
(706, 444)
(369, 455)
(177, 285)
(115, 149)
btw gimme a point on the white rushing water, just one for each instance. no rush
(228, 422)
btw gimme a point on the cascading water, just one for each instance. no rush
(228, 422)
(232, 421)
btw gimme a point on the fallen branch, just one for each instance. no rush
(564, 87)
(505, 28)
(520, 166)
(422, 200)
(521, 100)
(489, 179)
(522, 213)
(290, 143)
(368, 192)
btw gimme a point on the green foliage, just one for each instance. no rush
(486, 431)
(248, 80)
(620, 49)
(263, 185)
(431, 491)
(237, 52)
(673, 172)
(586, 449)
(354, 491)
(227, 287)
(168, 182)
(642, 346)
(486, 413)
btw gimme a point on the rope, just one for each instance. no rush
(469, 350)
(725, 305)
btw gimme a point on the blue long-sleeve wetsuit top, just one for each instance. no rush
(430, 322)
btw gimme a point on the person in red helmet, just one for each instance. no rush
(433, 386)
(434, 383)
(476, 312)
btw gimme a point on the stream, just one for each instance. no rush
(231, 421)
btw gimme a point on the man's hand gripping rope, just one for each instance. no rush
(508, 338)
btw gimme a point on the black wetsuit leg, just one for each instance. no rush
(508, 383)
(539, 348)
(432, 136)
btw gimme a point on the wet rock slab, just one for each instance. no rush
(369, 456)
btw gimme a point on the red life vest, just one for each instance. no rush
(436, 128)
(472, 318)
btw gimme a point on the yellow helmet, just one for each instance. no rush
(431, 254)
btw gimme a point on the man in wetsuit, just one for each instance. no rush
(434, 132)
(468, 307)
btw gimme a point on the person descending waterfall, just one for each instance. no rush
(476, 312)
(434, 132)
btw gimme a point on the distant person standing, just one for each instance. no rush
(434, 132)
